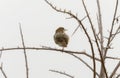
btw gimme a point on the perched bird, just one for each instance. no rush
(60, 37)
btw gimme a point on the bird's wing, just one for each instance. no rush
(61, 39)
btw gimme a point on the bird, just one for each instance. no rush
(61, 38)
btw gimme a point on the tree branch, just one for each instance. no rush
(114, 71)
(102, 72)
(52, 49)
(55, 49)
(117, 32)
(78, 26)
(25, 55)
(112, 27)
(118, 76)
(63, 73)
(0, 54)
(79, 21)
(100, 25)
(114, 58)
(94, 33)
(85, 64)
(3, 72)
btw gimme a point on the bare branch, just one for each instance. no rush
(56, 50)
(97, 36)
(103, 71)
(79, 21)
(94, 33)
(85, 64)
(114, 71)
(3, 72)
(0, 54)
(78, 26)
(25, 55)
(111, 31)
(99, 14)
(63, 73)
(118, 76)
(113, 35)
(117, 19)
(100, 25)
(75, 30)
(52, 49)
(114, 58)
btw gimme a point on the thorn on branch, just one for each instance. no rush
(118, 32)
(60, 9)
(0, 54)
(109, 47)
(69, 11)
(117, 19)
(18, 47)
(2, 48)
(118, 76)
(69, 18)
(64, 10)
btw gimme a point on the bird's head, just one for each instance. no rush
(60, 29)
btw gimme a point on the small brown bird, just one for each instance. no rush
(61, 38)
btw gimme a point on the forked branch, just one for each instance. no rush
(111, 30)
(83, 27)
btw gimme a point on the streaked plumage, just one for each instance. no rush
(61, 38)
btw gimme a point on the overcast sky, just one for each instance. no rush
(39, 22)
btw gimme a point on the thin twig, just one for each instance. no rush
(100, 25)
(117, 19)
(25, 55)
(63, 73)
(94, 33)
(0, 54)
(78, 26)
(102, 72)
(114, 58)
(3, 72)
(75, 30)
(113, 35)
(52, 50)
(118, 16)
(85, 64)
(111, 31)
(56, 50)
(118, 76)
(86, 33)
(114, 71)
